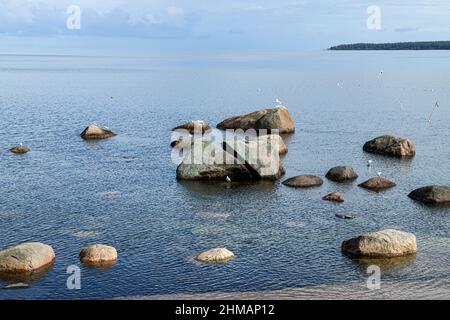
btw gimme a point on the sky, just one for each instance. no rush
(216, 25)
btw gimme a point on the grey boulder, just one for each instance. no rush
(391, 146)
(431, 194)
(341, 174)
(26, 257)
(382, 244)
(270, 119)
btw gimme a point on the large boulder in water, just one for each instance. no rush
(26, 257)
(303, 181)
(192, 127)
(391, 146)
(431, 194)
(377, 184)
(94, 132)
(98, 254)
(270, 119)
(341, 174)
(382, 244)
(237, 160)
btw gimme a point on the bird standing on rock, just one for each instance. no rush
(228, 179)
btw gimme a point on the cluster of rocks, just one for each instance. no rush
(381, 244)
(91, 132)
(32, 257)
(234, 159)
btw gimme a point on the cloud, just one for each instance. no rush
(175, 12)
(39, 17)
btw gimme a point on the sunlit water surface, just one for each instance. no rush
(122, 191)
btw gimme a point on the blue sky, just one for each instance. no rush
(216, 25)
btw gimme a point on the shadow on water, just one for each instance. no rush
(202, 188)
(101, 267)
(388, 264)
(29, 278)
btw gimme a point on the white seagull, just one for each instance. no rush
(369, 163)
(21, 144)
(379, 174)
(278, 102)
(228, 179)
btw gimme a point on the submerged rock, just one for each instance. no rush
(377, 184)
(93, 132)
(270, 119)
(20, 150)
(238, 161)
(431, 194)
(346, 216)
(19, 285)
(382, 244)
(391, 146)
(341, 174)
(303, 181)
(98, 254)
(194, 127)
(26, 257)
(335, 197)
(217, 255)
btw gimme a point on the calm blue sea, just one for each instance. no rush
(122, 191)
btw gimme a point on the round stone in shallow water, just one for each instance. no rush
(217, 255)
(98, 254)
(304, 181)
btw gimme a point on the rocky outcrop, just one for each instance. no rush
(382, 244)
(391, 146)
(20, 150)
(217, 255)
(237, 160)
(432, 195)
(192, 127)
(98, 254)
(334, 197)
(341, 174)
(303, 181)
(270, 119)
(377, 184)
(94, 132)
(26, 257)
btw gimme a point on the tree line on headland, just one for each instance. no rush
(425, 45)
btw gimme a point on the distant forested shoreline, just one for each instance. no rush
(424, 45)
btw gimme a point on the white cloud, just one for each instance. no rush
(175, 12)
